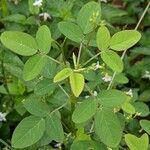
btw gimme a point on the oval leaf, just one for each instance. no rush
(113, 60)
(54, 127)
(89, 16)
(142, 109)
(124, 40)
(128, 108)
(45, 86)
(19, 42)
(145, 124)
(84, 111)
(63, 74)
(28, 132)
(43, 38)
(112, 98)
(71, 31)
(107, 127)
(103, 38)
(36, 106)
(33, 67)
(77, 83)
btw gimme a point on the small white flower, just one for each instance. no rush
(130, 93)
(87, 96)
(45, 16)
(58, 145)
(38, 3)
(14, 1)
(105, 1)
(94, 93)
(2, 116)
(97, 65)
(107, 78)
(146, 75)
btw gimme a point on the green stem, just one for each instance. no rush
(64, 90)
(79, 54)
(4, 143)
(91, 59)
(54, 60)
(89, 90)
(62, 50)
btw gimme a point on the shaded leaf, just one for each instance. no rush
(107, 127)
(71, 31)
(112, 98)
(33, 67)
(28, 132)
(85, 111)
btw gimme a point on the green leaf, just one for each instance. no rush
(103, 38)
(71, 31)
(141, 50)
(87, 145)
(43, 38)
(18, 18)
(113, 60)
(145, 124)
(19, 42)
(33, 9)
(28, 132)
(63, 74)
(33, 67)
(135, 143)
(84, 111)
(128, 108)
(112, 98)
(121, 78)
(141, 108)
(54, 127)
(36, 106)
(45, 86)
(89, 16)
(77, 83)
(107, 127)
(124, 40)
